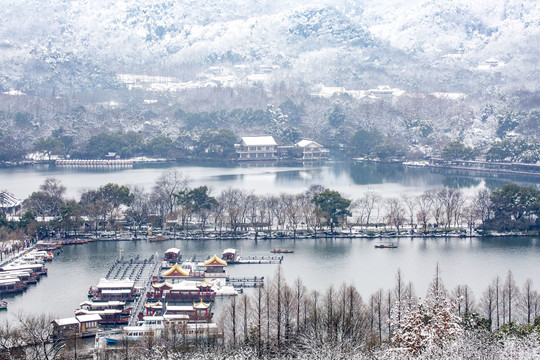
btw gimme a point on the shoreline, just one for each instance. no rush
(85, 239)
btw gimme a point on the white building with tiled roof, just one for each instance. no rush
(257, 148)
(312, 150)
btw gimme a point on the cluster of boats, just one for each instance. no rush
(27, 269)
(176, 301)
(180, 301)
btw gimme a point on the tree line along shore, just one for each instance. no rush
(284, 320)
(173, 207)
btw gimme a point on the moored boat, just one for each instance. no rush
(282, 251)
(3, 305)
(385, 246)
(158, 238)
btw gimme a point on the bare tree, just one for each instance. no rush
(482, 204)
(293, 211)
(410, 203)
(378, 311)
(487, 304)
(399, 296)
(394, 213)
(464, 299)
(164, 190)
(497, 288)
(233, 201)
(300, 292)
(512, 293)
(528, 298)
(369, 202)
(37, 335)
(424, 206)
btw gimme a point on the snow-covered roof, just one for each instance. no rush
(66, 321)
(179, 307)
(14, 93)
(115, 291)
(7, 200)
(304, 143)
(88, 318)
(115, 284)
(258, 140)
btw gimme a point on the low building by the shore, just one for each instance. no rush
(312, 150)
(257, 148)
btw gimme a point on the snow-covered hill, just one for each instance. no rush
(76, 45)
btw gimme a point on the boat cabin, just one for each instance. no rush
(12, 285)
(95, 306)
(39, 269)
(229, 255)
(108, 316)
(173, 255)
(113, 289)
(80, 325)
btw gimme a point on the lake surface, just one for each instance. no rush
(320, 263)
(347, 177)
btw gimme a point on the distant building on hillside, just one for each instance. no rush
(382, 91)
(312, 150)
(257, 148)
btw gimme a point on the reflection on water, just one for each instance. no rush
(320, 263)
(263, 178)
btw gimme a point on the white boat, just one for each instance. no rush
(150, 326)
(154, 326)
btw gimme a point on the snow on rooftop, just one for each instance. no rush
(304, 143)
(450, 96)
(258, 140)
(14, 93)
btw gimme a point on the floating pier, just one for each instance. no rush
(248, 260)
(246, 282)
(140, 271)
(257, 260)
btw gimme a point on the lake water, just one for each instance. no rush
(320, 263)
(347, 177)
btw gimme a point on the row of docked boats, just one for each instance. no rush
(180, 301)
(27, 269)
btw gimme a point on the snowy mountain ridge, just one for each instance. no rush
(171, 38)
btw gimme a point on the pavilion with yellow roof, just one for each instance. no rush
(176, 274)
(214, 265)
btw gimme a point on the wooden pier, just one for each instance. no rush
(138, 306)
(257, 260)
(248, 260)
(139, 271)
(246, 282)
(134, 269)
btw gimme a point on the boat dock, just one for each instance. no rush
(138, 305)
(257, 260)
(247, 260)
(246, 282)
(140, 271)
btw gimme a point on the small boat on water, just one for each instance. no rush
(282, 251)
(386, 246)
(3, 305)
(158, 238)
